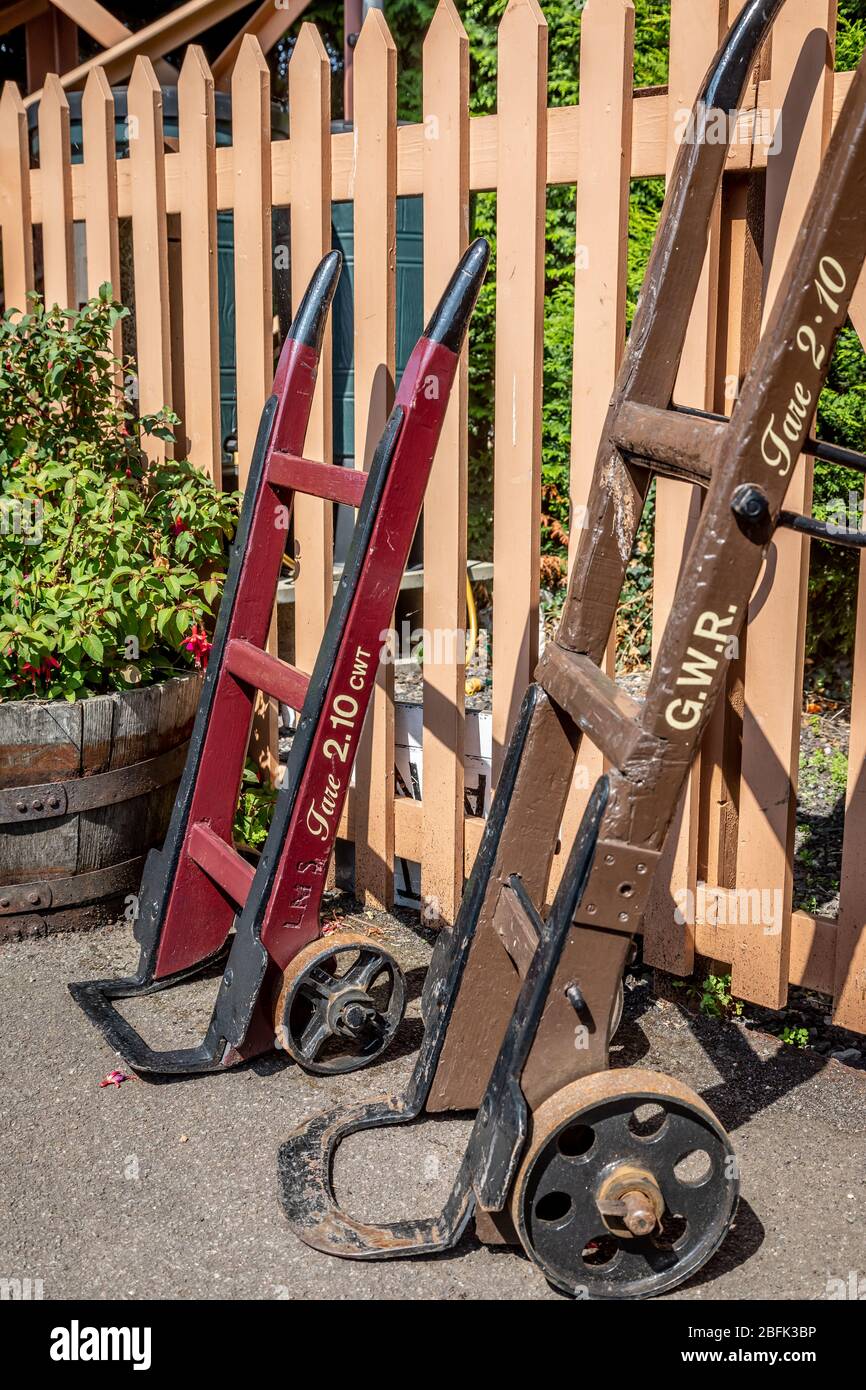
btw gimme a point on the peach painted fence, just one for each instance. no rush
(737, 822)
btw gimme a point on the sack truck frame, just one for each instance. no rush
(556, 1162)
(333, 1003)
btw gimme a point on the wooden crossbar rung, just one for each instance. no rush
(679, 444)
(267, 673)
(604, 712)
(221, 862)
(813, 448)
(325, 480)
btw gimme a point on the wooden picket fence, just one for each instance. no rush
(735, 831)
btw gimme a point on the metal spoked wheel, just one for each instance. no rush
(628, 1186)
(340, 1003)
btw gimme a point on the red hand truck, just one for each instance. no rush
(332, 1004)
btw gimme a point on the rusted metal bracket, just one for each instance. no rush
(619, 886)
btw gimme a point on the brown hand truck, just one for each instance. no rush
(332, 1003)
(558, 1158)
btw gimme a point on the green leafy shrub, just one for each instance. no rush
(255, 808)
(833, 571)
(717, 1000)
(713, 997)
(109, 570)
(850, 33)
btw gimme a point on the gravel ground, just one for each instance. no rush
(409, 684)
(168, 1189)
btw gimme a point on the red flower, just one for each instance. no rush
(197, 643)
(36, 673)
(114, 1078)
(178, 525)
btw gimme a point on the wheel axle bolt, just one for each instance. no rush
(639, 1216)
(630, 1202)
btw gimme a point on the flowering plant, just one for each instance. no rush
(109, 569)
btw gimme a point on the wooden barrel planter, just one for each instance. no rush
(86, 789)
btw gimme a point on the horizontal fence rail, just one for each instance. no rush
(649, 146)
(736, 823)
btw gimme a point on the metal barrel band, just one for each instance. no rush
(48, 800)
(41, 896)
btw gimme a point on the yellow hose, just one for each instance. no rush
(473, 685)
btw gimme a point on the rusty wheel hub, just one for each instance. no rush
(629, 1202)
(340, 1003)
